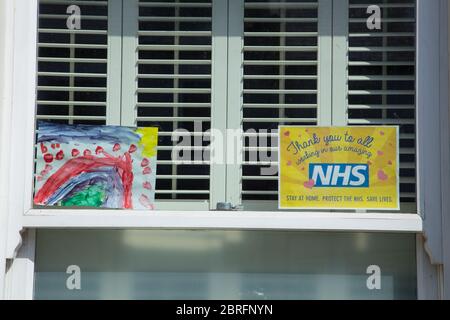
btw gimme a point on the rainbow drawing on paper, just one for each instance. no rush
(95, 166)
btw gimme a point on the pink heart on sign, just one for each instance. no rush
(382, 176)
(287, 133)
(382, 133)
(390, 162)
(289, 163)
(380, 153)
(309, 184)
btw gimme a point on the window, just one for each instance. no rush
(236, 64)
(254, 265)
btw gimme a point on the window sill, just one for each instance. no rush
(291, 221)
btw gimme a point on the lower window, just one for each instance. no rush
(130, 264)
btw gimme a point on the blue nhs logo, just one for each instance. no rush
(339, 175)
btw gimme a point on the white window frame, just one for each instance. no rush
(23, 215)
(19, 105)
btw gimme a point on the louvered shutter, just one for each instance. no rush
(381, 79)
(72, 64)
(280, 85)
(173, 92)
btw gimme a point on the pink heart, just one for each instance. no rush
(287, 133)
(147, 185)
(145, 162)
(289, 163)
(309, 184)
(390, 162)
(147, 170)
(382, 176)
(380, 153)
(382, 133)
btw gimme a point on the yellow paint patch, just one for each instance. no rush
(149, 141)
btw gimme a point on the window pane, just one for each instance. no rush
(280, 86)
(223, 265)
(382, 79)
(174, 89)
(72, 63)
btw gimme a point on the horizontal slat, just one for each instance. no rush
(382, 121)
(382, 78)
(279, 77)
(174, 19)
(381, 92)
(173, 62)
(72, 60)
(173, 76)
(283, 5)
(177, 33)
(380, 63)
(279, 20)
(174, 90)
(172, 119)
(65, 16)
(278, 91)
(72, 89)
(73, 31)
(63, 117)
(71, 103)
(381, 49)
(182, 191)
(280, 120)
(73, 45)
(71, 74)
(172, 105)
(154, 47)
(162, 4)
(182, 177)
(280, 62)
(279, 106)
(300, 34)
(281, 48)
(382, 106)
(78, 2)
(381, 34)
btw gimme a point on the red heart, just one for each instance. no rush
(132, 149)
(48, 157)
(309, 184)
(116, 147)
(390, 162)
(99, 150)
(287, 133)
(147, 171)
(60, 155)
(87, 153)
(44, 149)
(75, 153)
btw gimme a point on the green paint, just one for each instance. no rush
(93, 196)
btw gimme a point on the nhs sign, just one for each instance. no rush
(339, 175)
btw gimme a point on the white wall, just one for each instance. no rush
(6, 50)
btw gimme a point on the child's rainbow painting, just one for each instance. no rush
(95, 166)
